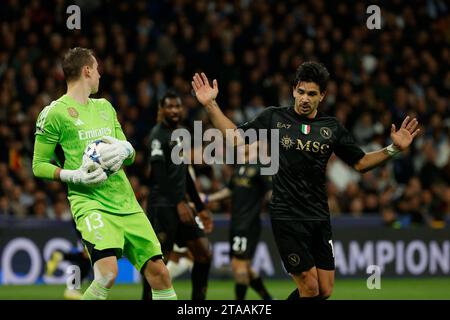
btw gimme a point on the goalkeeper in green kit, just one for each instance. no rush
(105, 209)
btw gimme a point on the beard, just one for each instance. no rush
(172, 123)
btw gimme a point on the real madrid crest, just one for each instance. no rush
(72, 112)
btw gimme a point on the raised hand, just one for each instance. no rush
(203, 91)
(405, 135)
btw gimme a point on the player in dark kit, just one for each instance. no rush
(299, 207)
(171, 190)
(247, 189)
(78, 258)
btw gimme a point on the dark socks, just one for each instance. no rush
(80, 260)
(146, 290)
(258, 285)
(295, 295)
(199, 277)
(85, 268)
(74, 257)
(240, 291)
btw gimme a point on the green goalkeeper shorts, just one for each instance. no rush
(129, 235)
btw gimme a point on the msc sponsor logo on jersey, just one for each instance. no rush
(95, 133)
(312, 146)
(286, 142)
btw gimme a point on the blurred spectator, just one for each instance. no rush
(5, 209)
(60, 211)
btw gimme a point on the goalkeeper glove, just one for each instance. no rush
(115, 153)
(88, 174)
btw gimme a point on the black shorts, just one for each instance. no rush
(304, 244)
(169, 229)
(244, 239)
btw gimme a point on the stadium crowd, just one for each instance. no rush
(253, 49)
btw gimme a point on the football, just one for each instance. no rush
(93, 152)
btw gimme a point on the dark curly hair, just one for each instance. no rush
(311, 71)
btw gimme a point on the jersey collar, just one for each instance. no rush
(75, 102)
(303, 118)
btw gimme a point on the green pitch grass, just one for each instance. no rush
(348, 289)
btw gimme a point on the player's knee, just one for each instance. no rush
(105, 272)
(208, 256)
(204, 257)
(241, 276)
(310, 285)
(310, 290)
(107, 278)
(325, 293)
(157, 270)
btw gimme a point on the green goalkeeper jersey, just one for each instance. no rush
(67, 124)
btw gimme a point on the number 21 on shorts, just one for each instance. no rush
(239, 244)
(94, 221)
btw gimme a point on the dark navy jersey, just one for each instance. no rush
(167, 180)
(248, 188)
(305, 145)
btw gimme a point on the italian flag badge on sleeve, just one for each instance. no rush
(305, 128)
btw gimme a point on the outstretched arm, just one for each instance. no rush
(401, 140)
(204, 214)
(217, 196)
(206, 95)
(193, 193)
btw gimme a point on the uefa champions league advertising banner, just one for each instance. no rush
(415, 252)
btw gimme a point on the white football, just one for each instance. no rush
(93, 152)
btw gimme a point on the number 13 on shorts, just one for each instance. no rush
(94, 221)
